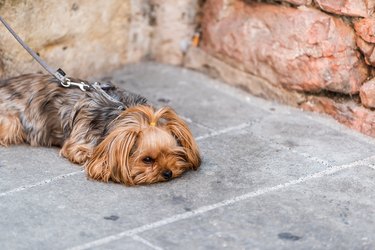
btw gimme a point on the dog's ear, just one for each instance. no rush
(181, 132)
(110, 160)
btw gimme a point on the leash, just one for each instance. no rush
(59, 74)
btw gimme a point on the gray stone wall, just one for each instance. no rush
(82, 37)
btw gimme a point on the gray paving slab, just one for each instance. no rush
(337, 215)
(189, 94)
(87, 203)
(24, 165)
(296, 132)
(261, 161)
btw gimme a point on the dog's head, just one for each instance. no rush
(144, 146)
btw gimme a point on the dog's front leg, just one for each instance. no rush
(76, 151)
(11, 129)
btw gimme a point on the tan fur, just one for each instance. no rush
(11, 130)
(115, 134)
(76, 153)
(133, 139)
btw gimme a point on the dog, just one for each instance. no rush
(114, 133)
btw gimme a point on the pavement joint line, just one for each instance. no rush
(41, 183)
(341, 128)
(236, 92)
(44, 182)
(224, 131)
(224, 203)
(248, 124)
(305, 155)
(145, 242)
(196, 123)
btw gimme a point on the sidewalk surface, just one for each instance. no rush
(272, 177)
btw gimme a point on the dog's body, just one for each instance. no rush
(116, 134)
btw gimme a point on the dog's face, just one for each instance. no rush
(157, 156)
(144, 146)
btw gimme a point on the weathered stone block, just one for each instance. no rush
(200, 60)
(365, 28)
(367, 50)
(299, 2)
(301, 49)
(367, 94)
(348, 112)
(174, 23)
(84, 38)
(356, 8)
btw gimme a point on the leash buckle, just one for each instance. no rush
(68, 83)
(60, 75)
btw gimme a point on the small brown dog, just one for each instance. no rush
(114, 133)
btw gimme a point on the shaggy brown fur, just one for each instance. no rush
(115, 134)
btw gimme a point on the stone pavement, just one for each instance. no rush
(272, 177)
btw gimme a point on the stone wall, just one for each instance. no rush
(314, 54)
(84, 37)
(88, 38)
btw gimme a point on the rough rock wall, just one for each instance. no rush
(84, 38)
(314, 54)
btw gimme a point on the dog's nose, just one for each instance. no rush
(167, 174)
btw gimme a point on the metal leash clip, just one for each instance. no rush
(67, 83)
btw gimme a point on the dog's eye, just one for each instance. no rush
(179, 143)
(148, 160)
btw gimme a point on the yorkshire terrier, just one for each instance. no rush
(115, 134)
